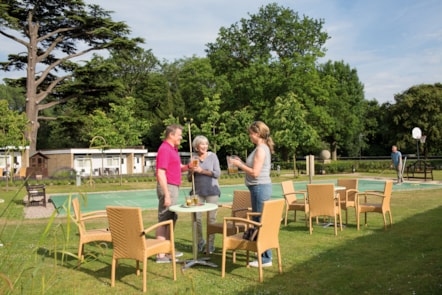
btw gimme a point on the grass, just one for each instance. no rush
(406, 259)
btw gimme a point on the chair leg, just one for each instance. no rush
(295, 215)
(340, 220)
(357, 220)
(391, 219)
(223, 263)
(278, 253)
(310, 223)
(114, 264)
(144, 274)
(286, 214)
(80, 254)
(138, 268)
(260, 267)
(385, 220)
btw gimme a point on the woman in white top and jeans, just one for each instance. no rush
(257, 169)
(206, 176)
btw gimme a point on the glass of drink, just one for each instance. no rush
(188, 200)
(194, 162)
(230, 167)
(195, 200)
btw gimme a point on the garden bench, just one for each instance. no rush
(420, 169)
(36, 194)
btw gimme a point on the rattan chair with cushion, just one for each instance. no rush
(375, 201)
(241, 204)
(324, 201)
(129, 241)
(348, 196)
(267, 237)
(88, 234)
(291, 201)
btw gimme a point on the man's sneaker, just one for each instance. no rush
(163, 259)
(177, 254)
(255, 264)
(211, 250)
(201, 245)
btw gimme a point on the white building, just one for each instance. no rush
(97, 162)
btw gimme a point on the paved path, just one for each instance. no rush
(38, 211)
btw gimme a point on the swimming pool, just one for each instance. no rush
(147, 199)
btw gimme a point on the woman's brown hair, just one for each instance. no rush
(263, 131)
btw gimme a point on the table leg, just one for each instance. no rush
(195, 260)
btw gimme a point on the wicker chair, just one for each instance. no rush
(267, 238)
(88, 235)
(291, 202)
(348, 196)
(382, 204)
(323, 201)
(241, 204)
(129, 241)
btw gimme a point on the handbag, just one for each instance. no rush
(251, 234)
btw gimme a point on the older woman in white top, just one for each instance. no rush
(206, 176)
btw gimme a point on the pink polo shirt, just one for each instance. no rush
(169, 160)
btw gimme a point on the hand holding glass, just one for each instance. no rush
(230, 167)
(194, 163)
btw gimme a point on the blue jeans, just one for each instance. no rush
(259, 194)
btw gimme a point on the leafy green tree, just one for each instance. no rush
(419, 106)
(376, 137)
(15, 97)
(132, 69)
(236, 123)
(212, 125)
(290, 128)
(54, 32)
(158, 100)
(265, 56)
(119, 127)
(345, 105)
(13, 126)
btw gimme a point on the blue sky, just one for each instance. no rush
(393, 44)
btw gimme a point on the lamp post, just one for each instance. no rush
(417, 134)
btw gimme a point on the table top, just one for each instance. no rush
(189, 209)
(339, 188)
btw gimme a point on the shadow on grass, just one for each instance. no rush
(405, 259)
(98, 263)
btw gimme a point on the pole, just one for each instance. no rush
(190, 147)
(417, 148)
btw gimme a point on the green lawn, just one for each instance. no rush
(406, 259)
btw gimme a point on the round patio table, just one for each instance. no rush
(337, 188)
(194, 209)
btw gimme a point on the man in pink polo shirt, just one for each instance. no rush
(168, 172)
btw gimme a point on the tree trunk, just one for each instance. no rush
(31, 89)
